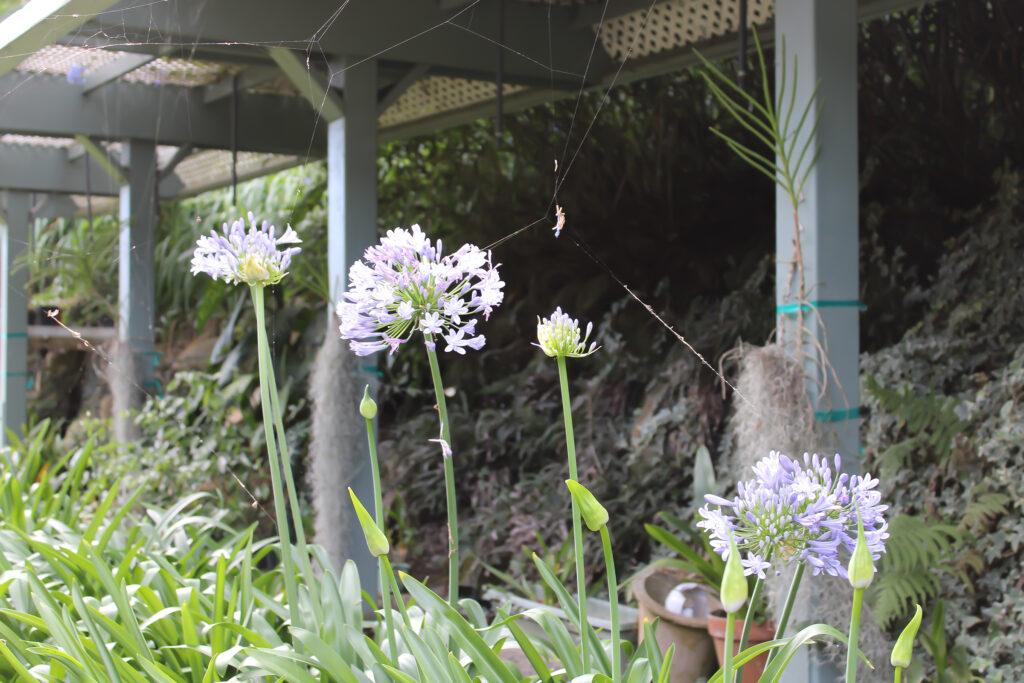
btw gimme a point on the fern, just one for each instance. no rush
(930, 420)
(983, 509)
(917, 553)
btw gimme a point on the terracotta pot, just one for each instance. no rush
(694, 658)
(760, 632)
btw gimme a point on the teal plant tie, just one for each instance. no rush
(16, 335)
(30, 378)
(372, 369)
(793, 309)
(154, 357)
(837, 415)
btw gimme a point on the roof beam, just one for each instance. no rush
(180, 154)
(309, 82)
(47, 169)
(464, 38)
(39, 23)
(102, 157)
(250, 78)
(111, 71)
(168, 115)
(398, 88)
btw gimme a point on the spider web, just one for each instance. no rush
(460, 19)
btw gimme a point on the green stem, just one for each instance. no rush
(449, 478)
(730, 626)
(898, 676)
(390, 572)
(577, 526)
(312, 584)
(787, 609)
(283, 532)
(851, 649)
(378, 506)
(748, 620)
(613, 603)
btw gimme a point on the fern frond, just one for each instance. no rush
(983, 509)
(917, 552)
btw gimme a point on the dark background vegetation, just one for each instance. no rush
(690, 228)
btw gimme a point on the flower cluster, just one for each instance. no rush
(558, 335)
(252, 257)
(406, 285)
(793, 510)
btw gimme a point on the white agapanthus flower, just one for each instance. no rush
(559, 336)
(250, 257)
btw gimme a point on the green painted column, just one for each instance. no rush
(351, 227)
(135, 358)
(822, 35)
(14, 314)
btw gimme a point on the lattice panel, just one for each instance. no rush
(436, 94)
(212, 168)
(64, 60)
(61, 59)
(675, 24)
(189, 73)
(36, 141)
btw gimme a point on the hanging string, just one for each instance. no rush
(234, 141)
(499, 80)
(88, 192)
(741, 69)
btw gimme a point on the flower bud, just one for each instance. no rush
(367, 407)
(861, 569)
(593, 513)
(376, 541)
(903, 650)
(733, 592)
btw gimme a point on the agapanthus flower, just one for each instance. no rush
(252, 257)
(797, 511)
(558, 335)
(405, 284)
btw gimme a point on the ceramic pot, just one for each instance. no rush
(760, 632)
(694, 654)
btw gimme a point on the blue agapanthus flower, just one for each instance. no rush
(253, 257)
(797, 511)
(406, 284)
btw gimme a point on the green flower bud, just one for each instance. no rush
(593, 513)
(733, 592)
(903, 650)
(367, 407)
(376, 541)
(861, 569)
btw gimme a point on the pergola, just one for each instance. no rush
(167, 99)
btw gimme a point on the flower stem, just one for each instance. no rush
(449, 478)
(390, 573)
(730, 627)
(787, 609)
(378, 506)
(748, 620)
(613, 602)
(310, 580)
(577, 529)
(280, 512)
(851, 650)
(898, 676)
